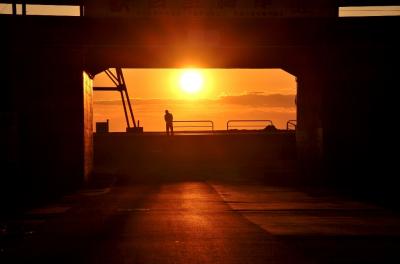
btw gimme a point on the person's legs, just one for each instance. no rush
(167, 128)
(170, 129)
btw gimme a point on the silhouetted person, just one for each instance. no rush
(168, 117)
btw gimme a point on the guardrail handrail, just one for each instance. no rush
(292, 123)
(237, 121)
(196, 121)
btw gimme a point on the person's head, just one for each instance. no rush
(166, 111)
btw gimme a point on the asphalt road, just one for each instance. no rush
(201, 222)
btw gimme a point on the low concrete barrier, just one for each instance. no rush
(159, 157)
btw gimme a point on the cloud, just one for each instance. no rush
(257, 99)
(253, 99)
(151, 101)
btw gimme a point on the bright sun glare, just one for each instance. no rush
(191, 81)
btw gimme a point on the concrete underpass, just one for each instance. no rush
(324, 193)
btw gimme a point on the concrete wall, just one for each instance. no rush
(51, 122)
(346, 115)
(359, 115)
(270, 157)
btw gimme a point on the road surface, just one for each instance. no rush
(202, 222)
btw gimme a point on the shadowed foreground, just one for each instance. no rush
(202, 222)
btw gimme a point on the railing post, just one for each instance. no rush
(291, 122)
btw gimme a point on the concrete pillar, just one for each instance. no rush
(87, 126)
(359, 109)
(309, 133)
(52, 104)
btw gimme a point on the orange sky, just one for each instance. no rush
(226, 94)
(164, 83)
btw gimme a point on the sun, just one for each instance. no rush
(191, 81)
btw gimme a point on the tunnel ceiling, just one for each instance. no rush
(211, 43)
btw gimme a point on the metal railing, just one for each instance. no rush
(228, 126)
(291, 123)
(207, 124)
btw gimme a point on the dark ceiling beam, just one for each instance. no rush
(45, 2)
(368, 2)
(120, 33)
(81, 2)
